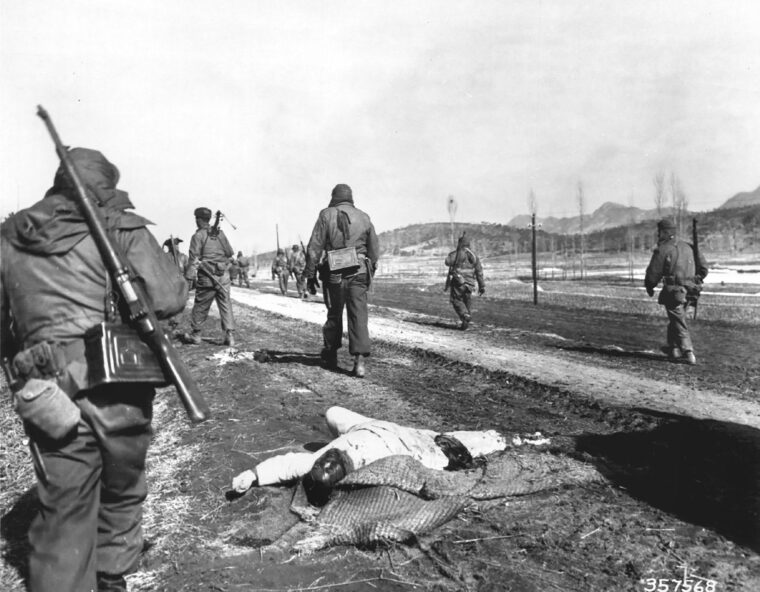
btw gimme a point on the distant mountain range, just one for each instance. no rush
(610, 215)
(733, 227)
(742, 200)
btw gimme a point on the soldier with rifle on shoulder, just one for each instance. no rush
(209, 263)
(69, 273)
(682, 269)
(465, 272)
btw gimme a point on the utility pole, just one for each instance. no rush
(277, 232)
(533, 226)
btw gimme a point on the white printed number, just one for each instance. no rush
(685, 585)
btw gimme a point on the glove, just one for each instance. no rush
(244, 481)
(311, 285)
(482, 291)
(650, 291)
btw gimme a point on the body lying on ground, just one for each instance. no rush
(361, 440)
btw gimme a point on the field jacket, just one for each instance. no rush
(674, 263)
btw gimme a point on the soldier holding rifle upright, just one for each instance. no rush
(682, 269)
(89, 441)
(210, 254)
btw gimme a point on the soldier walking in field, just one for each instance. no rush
(209, 262)
(346, 234)
(244, 263)
(297, 266)
(682, 271)
(281, 271)
(465, 273)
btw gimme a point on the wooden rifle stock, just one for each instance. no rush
(142, 316)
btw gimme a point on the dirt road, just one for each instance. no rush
(485, 348)
(677, 501)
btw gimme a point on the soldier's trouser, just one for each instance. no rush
(300, 283)
(90, 510)
(460, 299)
(243, 277)
(678, 331)
(283, 282)
(351, 292)
(205, 294)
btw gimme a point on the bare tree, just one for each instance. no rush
(659, 191)
(581, 209)
(680, 202)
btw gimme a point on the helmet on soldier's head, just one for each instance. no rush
(465, 241)
(168, 241)
(240, 253)
(280, 252)
(296, 247)
(666, 226)
(203, 213)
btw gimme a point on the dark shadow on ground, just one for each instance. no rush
(437, 324)
(305, 359)
(14, 528)
(613, 351)
(704, 472)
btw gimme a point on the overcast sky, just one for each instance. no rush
(260, 108)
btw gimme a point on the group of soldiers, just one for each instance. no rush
(292, 265)
(56, 287)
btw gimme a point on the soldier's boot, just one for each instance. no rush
(230, 339)
(111, 583)
(193, 338)
(330, 358)
(359, 369)
(465, 322)
(673, 352)
(689, 358)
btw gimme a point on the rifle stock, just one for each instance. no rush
(142, 316)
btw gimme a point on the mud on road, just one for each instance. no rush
(680, 489)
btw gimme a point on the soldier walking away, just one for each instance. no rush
(297, 267)
(210, 253)
(179, 259)
(682, 271)
(89, 443)
(465, 272)
(346, 234)
(244, 264)
(234, 270)
(280, 270)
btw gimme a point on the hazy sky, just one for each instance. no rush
(260, 108)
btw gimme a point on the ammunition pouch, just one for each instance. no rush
(342, 259)
(672, 294)
(457, 279)
(44, 405)
(116, 353)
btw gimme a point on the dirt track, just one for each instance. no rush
(681, 480)
(484, 348)
(678, 448)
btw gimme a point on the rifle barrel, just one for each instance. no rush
(142, 316)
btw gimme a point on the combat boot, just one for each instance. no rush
(689, 358)
(230, 339)
(359, 369)
(465, 323)
(674, 353)
(329, 357)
